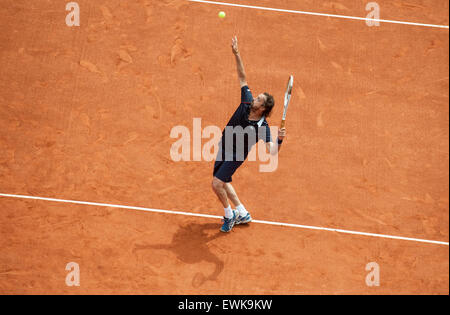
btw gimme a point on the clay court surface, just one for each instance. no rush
(86, 114)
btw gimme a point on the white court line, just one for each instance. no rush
(218, 217)
(319, 14)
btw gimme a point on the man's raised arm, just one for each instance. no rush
(239, 64)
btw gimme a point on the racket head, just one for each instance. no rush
(287, 95)
(290, 85)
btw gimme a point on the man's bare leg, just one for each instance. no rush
(244, 216)
(231, 193)
(218, 187)
(230, 217)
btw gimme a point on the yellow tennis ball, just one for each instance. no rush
(222, 14)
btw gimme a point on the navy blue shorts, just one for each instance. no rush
(223, 170)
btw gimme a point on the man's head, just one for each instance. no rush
(263, 104)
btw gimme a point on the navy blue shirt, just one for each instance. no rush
(244, 132)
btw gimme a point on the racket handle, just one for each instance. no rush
(283, 123)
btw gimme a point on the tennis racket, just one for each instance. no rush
(287, 98)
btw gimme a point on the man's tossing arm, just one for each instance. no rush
(240, 66)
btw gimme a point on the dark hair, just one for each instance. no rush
(268, 105)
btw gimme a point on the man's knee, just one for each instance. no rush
(227, 187)
(217, 184)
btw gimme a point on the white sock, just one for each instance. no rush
(228, 212)
(242, 211)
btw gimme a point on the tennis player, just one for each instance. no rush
(247, 125)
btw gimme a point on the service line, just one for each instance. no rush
(319, 14)
(218, 217)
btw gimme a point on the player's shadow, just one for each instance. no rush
(190, 245)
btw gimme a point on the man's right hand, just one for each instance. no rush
(234, 45)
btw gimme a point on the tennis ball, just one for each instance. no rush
(222, 14)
